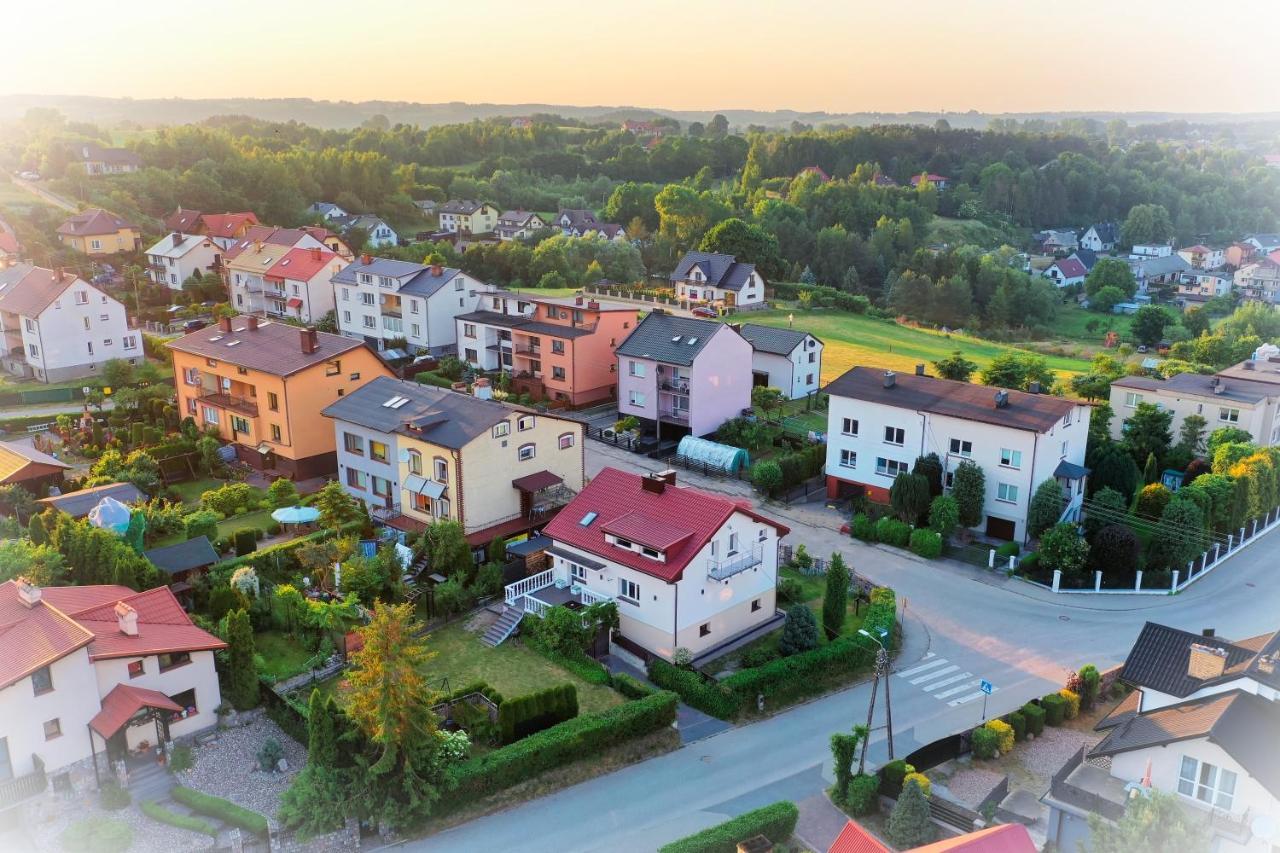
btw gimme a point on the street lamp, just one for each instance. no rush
(881, 671)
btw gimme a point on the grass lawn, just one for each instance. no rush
(855, 339)
(9, 386)
(282, 656)
(17, 198)
(226, 528)
(511, 668)
(1072, 321)
(192, 489)
(796, 413)
(954, 232)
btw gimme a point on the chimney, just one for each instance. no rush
(1206, 661)
(577, 300)
(225, 324)
(1267, 664)
(483, 389)
(28, 593)
(366, 259)
(668, 476)
(1209, 632)
(126, 619)
(257, 245)
(59, 274)
(315, 253)
(253, 323)
(890, 379)
(919, 370)
(1002, 399)
(653, 483)
(1034, 388)
(593, 305)
(1218, 386)
(437, 270)
(177, 238)
(310, 341)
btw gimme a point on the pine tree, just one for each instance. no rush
(909, 822)
(1150, 471)
(835, 601)
(800, 633)
(242, 678)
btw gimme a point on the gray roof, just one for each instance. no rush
(464, 206)
(78, 504)
(670, 339)
(772, 339)
(415, 279)
(272, 347)
(184, 556)
(1108, 232)
(1232, 389)
(1149, 267)
(723, 271)
(1160, 655)
(367, 221)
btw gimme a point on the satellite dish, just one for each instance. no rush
(1264, 827)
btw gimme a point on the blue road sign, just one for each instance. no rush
(985, 687)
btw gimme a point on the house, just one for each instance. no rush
(245, 270)
(1157, 271)
(10, 247)
(1198, 285)
(1065, 272)
(687, 569)
(1056, 240)
(299, 285)
(643, 128)
(262, 386)
(1199, 726)
(1264, 243)
(1087, 257)
(578, 222)
(1201, 257)
(691, 375)
(98, 160)
(80, 503)
(326, 210)
(940, 182)
(1259, 281)
(1101, 237)
(416, 454)
(380, 300)
(224, 229)
(519, 224)
(97, 232)
(23, 465)
(465, 216)
(883, 180)
(56, 326)
(178, 256)
(1227, 399)
(814, 170)
(556, 349)
(1150, 250)
(786, 359)
(1001, 838)
(377, 232)
(521, 122)
(880, 422)
(426, 206)
(96, 675)
(712, 278)
(1238, 254)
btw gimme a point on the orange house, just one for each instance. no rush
(262, 385)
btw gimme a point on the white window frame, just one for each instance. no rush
(1006, 493)
(849, 426)
(1132, 399)
(958, 448)
(637, 399)
(1205, 783)
(635, 368)
(1228, 415)
(527, 452)
(848, 458)
(890, 467)
(629, 591)
(898, 433)
(1010, 458)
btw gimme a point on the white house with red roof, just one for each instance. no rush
(299, 286)
(1065, 272)
(940, 182)
(687, 569)
(90, 673)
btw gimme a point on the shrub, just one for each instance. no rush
(1018, 722)
(709, 697)
(269, 755)
(920, 779)
(1153, 499)
(909, 823)
(200, 523)
(895, 771)
(632, 688)
(220, 809)
(155, 811)
(181, 759)
(1090, 682)
(1072, 700)
(1055, 709)
(1008, 549)
(984, 742)
(112, 797)
(926, 543)
(1004, 735)
(766, 475)
(245, 542)
(863, 795)
(94, 835)
(790, 589)
(1035, 718)
(273, 529)
(863, 528)
(944, 515)
(800, 634)
(775, 822)
(521, 716)
(893, 532)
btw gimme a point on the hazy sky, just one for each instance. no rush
(888, 55)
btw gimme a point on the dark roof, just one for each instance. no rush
(772, 339)
(493, 318)
(1070, 470)
(464, 206)
(274, 348)
(90, 151)
(1158, 660)
(1037, 412)
(1232, 388)
(184, 556)
(1086, 256)
(667, 338)
(93, 221)
(415, 279)
(78, 504)
(1108, 232)
(1126, 708)
(723, 271)
(1243, 724)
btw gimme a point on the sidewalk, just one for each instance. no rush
(51, 410)
(692, 724)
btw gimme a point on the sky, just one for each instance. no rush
(807, 55)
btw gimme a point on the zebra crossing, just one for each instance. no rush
(943, 680)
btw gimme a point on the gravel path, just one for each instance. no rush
(149, 836)
(1045, 755)
(228, 767)
(969, 786)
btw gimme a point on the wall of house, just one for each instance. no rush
(198, 675)
(1153, 699)
(177, 270)
(429, 453)
(460, 295)
(646, 385)
(73, 701)
(316, 294)
(489, 465)
(124, 240)
(720, 381)
(388, 471)
(797, 374)
(1260, 421)
(72, 340)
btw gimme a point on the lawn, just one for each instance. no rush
(955, 232)
(282, 656)
(1072, 321)
(226, 528)
(9, 386)
(192, 489)
(511, 668)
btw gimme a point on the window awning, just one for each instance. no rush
(537, 481)
(264, 448)
(422, 486)
(1070, 471)
(295, 303)
(119, 706)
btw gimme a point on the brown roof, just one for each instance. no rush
(274, 348)
(19, 462)
(1026, 411)
(93, 221)
(28, 290)
(33, 637)
(186, 221)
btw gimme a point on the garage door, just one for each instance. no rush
(999, 528)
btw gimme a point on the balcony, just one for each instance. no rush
(674, 416)
(527, 351)
(539, 593)
(675, 384)
(720, 570)
(392, 324)
(231, 403)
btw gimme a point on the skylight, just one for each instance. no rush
(395, 402)
(691, 341)
(676, 339)
(233, 343)
(588, 518)
(215, 339)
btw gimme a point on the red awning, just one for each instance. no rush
(537, 481)
(123, 702)
(295, 303)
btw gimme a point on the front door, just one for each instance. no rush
(759, 378)
(999, 528)
(117, 745)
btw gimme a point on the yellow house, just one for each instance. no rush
(99, 232)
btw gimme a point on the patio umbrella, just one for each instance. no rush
(296, 514)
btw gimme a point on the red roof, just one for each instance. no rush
(931, 178)
(1197, 248)
(8, 243)
(815, 170)
(33, 637)
(616, 496)
(1005, 838)
(163, 626)
(302, 264)
(226, 224)
(186, 221)
(123, 702)
(1071, 267)
(854, 839)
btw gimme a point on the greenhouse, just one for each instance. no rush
(701, 453)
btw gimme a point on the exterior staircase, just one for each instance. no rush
(151, 781)
(505, 626)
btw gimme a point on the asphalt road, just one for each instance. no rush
(962, 624)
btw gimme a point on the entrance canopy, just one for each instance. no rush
(123, 702)
(537, 482)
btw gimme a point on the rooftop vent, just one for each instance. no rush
(233, 343)
(215, 339)
(395, 402)
(691, 341)
(890, 379)
(1002, 399)
(676, 339)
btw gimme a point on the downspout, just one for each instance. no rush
(675, 622)
(1035, 442)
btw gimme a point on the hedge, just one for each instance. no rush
(926, 543)
(1072, 700)
(1055, 709)
(155, 811)
(265, 560)
(893, 532)
(1008, 549)
(289, 717)
(864, 794)
(1005, 734)
(893, 773)
(632, 688)
(1018, 721)
(775, 822)
(223, 810)
(708, 697)
(984, 742)
(862, 527)
(521, 716)
(555, 747)
(1035, 718)
(586, 668)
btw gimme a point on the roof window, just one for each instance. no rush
(588, 518)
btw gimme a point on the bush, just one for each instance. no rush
(759, 656)
(790, 589)
(863, 528)
(200, 523)
(1152, 500)
(766, 475)
(521, 716)
(245, 542)
(800, 634)
(1035, 718)
(94, 835)
(269, 755)
(775, 822)
(112, 797)
(926, 543)
(1004, 734)
(984, 742)
(709, 697)
(1055, 709)
(155, 811)
(894, 772)
(863, 796)
(1018, 722)
(273, 529)
(181, 759)
(1072, 700)
(920, 779)
(891, 531)
(632, 688)
(944, 515)
(1090, 682)
(220, 809)
(1008, 549)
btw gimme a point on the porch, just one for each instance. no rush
(538, 593)
(1072, 478)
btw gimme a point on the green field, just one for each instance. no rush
(956, 232)
(1071, 326)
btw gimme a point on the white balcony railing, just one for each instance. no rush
(730, 566)
(533, 583)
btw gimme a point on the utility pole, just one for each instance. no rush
(871, 708)
(888, 702)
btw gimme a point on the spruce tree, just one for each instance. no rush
(36, 531)
(909, 823)
(800, 634)
(242, 678)
(835, 601)
(322, 734)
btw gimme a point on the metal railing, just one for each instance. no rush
(533, 583)
(730, 566)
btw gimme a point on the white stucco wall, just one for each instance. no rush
(73, 701)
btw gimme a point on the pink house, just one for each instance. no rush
(683, 375)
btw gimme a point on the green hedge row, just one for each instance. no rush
(521, 716)
(707, 696)
(555, 747)
(266, 561)
(632, 688)
(1035, 718)
(1055, 709)
(775, 822)
(155, 811)
(223, 810)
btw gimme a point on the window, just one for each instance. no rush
(366, 298)
(733, 543)
(86, 323)
(635, 368)
(136, 668)
(499, 430)
(578, 573)
(1131, 400)
(469, 330)
(413, 306)
(704, 630)
(186, 700)
(89, 344)
(961, 448)
(33, 350)
(191, 376)
(440, 508)
(239, 424)
(353, 443)
(356, 478)
(1007, 493)
(170, 660)
(890, 467)
(82, 297)
(949, 479)
(651, 553)
(525, 423)
(377, 451)
(848, 459)
(415, 330)
(346, 295)
(1011, 458)
(566, 441)
(370, 322)
(628, 591)
(849, 426)
(763, 534)
(440, 468)
(275, 432)
(381, 486)
(191, 407)
(1063, 455)
(346, 316)
(52, 729)
(637, 399)
(1206, 783)
(894, 435)
(1066, 420)
(1231, 416)
(273, 402)
(130, 341)
(42, 680)
(557, 347)
(527, 452)
(210, 415)
(333, 368)
(31, 325)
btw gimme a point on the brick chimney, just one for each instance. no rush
(28, 593)
(126, 619)
(653, 483)
(315, 253)
(310, 340)
(577, 300)
(253, 323)
(593, 305)
(482, 389)
(225, 324)
(668, 476)
(177, 238)
(366, 259)
(437, 270)
(1206, 661)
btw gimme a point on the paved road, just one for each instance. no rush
(45, 195)
(962, 624)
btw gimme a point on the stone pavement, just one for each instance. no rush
(820, 822)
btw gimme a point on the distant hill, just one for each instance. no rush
(343, 114)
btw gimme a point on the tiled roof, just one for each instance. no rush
(722, 271)
(226, 224)
(33, 637)
(15, 458)
(78, 504)
(1004, 838)
(1026, 411)
(182, 220)
(176, 244)
(303, 264)
(667, 338)
(613, 495)
(92, 222)
(771, 339)
(27, 290)
(1124, 709)
(415, 279)
(1070, 267)
(1226, 388)
(1108, 232)
(125, 700)
(9, 242)
(274, 348)
(855, 839)
(464, 206)
(163, 626)
(1160, 655)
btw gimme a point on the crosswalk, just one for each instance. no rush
(943, 680)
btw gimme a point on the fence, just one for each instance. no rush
(608, 435)
(818, 568)
(42, 395)
(653, 299)
(699, 466)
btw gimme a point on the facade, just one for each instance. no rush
(687, 569)
(786, 359)
(464, 216)
(712, 278)
(1101, 237)
(518, 225)
(263, 386)
(1204, 258)
(559, 349)
(94, 671)
(1057, 240)
(1157, 271)
(326, 210)
(56, 326)
(941, 182)
(1200, 284)
(378, 233)
(879, 423)
(98, 160)
(1238, 254)
(1224, 400)
(1150, 250)
(177, 256)
(1259, 281)
(23, 465)
(579, 222)
(245, 270)
(683, 374)
(96, 232)
(416, 454)
(1263, 243)
(299, 286)
(379, 300)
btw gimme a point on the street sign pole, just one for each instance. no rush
(986, 688)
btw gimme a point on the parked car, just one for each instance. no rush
(194, 325)
(705, 313)
(29, 176)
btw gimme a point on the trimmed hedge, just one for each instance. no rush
(1008, 549)
(893, 532)
(1004, 732)
(155, 811)
(223, 810)
(632, 688)
(894, 772)
(863, 796)
(708, 697)
(926, 543)
(1018, 721)
(775, 822)
(521, 716)
(984, 742)
(1055, 709)
(555, 747)
(1035, 718)
(264, 560)
(1072, 700)
(862, 527)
